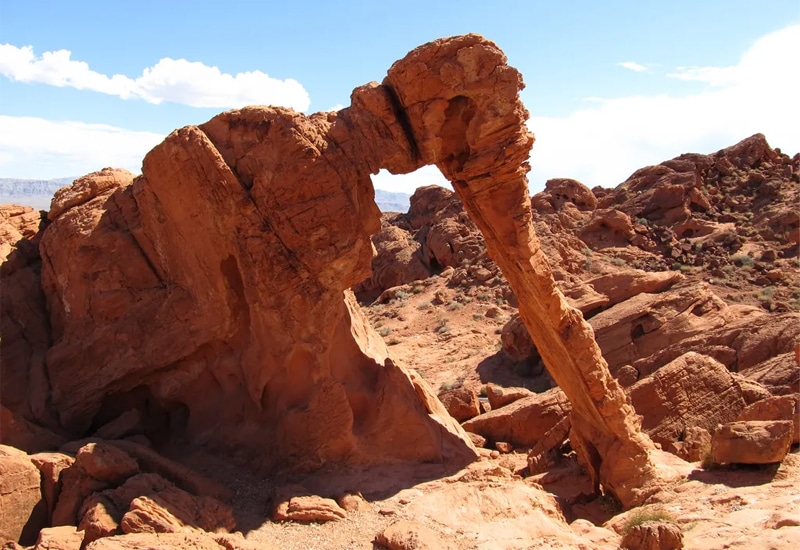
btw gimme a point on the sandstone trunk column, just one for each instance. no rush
(461, 106)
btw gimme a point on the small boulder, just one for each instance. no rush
(295, 503)
(21, 506)
(752, 442)
(461, 403)
(779, 407)
(353, 502)
(500, 396)
(660, 535)
(411, 535)
(106, 462)
(478, 440)
(65, 537)
(524, 422)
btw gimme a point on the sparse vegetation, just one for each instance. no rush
(417, 289)
(646, 515)
(385, 331)
(423, 306)
(742, 260)
(454, 385)
(618, 261)
(586, 251)
(477, 316)
(453, 306)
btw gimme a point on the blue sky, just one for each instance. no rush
(611, 86)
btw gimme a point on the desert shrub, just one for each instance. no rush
(586, 251)
(401, 295)
(417, 289)
(453, 385)
(742, 260)
(484, 296)
(385, 331)
(483, 392)
(646, 515)
(424, 305)
(617, 261)
(452, 306)
(477, 316)
(392, 342)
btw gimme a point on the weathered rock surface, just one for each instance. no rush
(500, 397)
(21, 506)
(66, 537)
(295, 503)
(783, 407)
(461, 403)
(691, 391)
(752, 442)
(523, 422)
(409, 535)
(653, 535)
(177, 541)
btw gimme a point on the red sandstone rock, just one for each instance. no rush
(461, 403)
(500, 396)
(784, 407)
(21, 506)
(99, 518)
(225, 289)
(559, 191)
(525, 421)
(106, 462)
(411, 535)
(66, 537)
(294, 503)
(752, 442)
(50, 466)
(652, 535)
(177, 541)
(692, 391)
(353, 502)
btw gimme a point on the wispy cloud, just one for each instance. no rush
(37, 148)
(172, 80)
(604, 143)
(632, 65)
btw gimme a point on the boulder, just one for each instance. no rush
(500, 397)
(752, 442)
(691, 391)
(411, 535)
(653, 535)
(783, 407)
(523, 422)
(50, 466)
(295, 503)
(462, 403)
(106, 462)
(65, 537)
(99, 518)
(22, 512)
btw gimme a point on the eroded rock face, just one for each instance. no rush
(211, 292)
(222, 311)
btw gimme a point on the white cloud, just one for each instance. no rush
(38, 148)
(604, 143)
(632, 65)
(172, 80)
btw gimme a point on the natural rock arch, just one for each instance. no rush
(218, 279)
